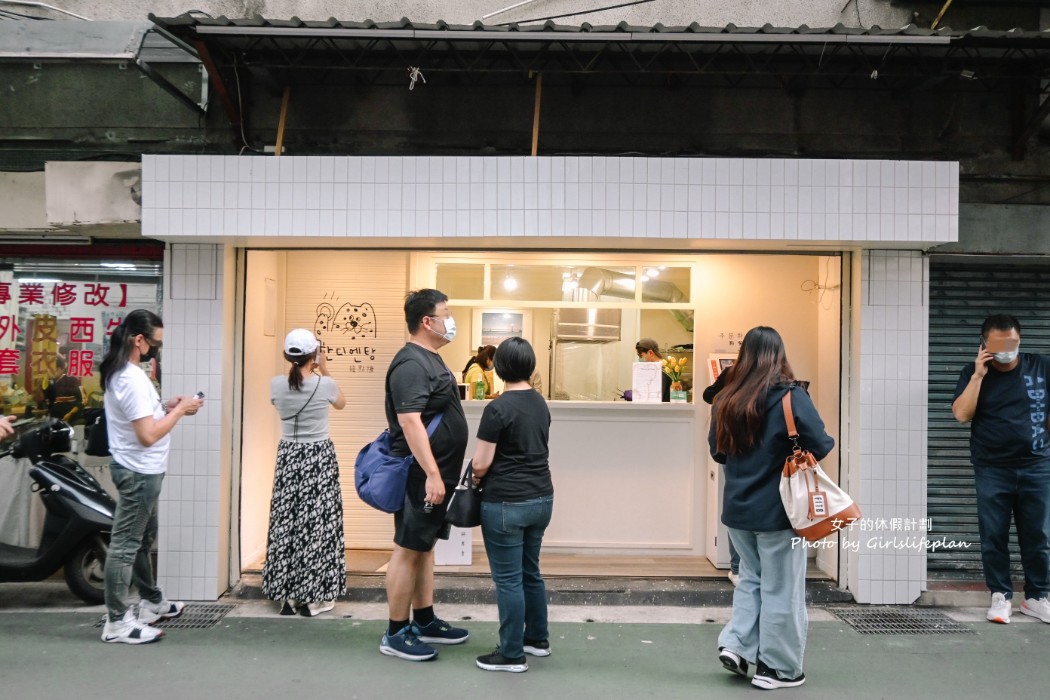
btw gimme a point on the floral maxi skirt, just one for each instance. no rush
(305, 559)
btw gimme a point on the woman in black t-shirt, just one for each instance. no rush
(510, 463)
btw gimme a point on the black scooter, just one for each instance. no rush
(79, 514)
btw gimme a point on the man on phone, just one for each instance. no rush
(1003, 394)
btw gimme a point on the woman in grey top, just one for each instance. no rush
(305, 563)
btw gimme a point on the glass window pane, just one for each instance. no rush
(461, 280)
(664, 285)
(56, 317)
(535, 282)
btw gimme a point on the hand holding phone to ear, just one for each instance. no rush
(980, 366)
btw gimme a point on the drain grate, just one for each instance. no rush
(199, 616)
(891, 619)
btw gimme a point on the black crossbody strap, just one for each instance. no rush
(295, 418)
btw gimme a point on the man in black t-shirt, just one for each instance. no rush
(1003, 394)
(419, 389)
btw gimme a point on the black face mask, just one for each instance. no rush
(149, 354)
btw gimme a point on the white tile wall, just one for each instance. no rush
(856, 202)
(188, 557)
(890, 563)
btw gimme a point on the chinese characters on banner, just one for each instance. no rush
(43, 344)
(55, 328)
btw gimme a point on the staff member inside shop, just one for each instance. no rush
(649, 351)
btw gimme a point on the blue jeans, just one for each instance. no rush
(513, 533)
(769, 619)
(1023, 493)
(134, 531)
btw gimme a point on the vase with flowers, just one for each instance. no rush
(673, 368)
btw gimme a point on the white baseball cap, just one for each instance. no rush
(300, 342)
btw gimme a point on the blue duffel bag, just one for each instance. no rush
(380, 476)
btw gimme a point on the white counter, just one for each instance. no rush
(625, 475)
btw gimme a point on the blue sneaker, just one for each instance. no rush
(440, 632)
(406, 645)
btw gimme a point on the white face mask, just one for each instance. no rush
(450, 328)
(1005, 358)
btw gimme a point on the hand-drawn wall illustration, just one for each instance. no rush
(344, 330)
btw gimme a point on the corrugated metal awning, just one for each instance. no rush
(283, 53)
(143, 44)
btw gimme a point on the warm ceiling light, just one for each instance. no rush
(510, 283)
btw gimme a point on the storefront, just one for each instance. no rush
(582, 256)
(58, 307)
(583, 312)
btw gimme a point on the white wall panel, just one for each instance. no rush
(851, 202)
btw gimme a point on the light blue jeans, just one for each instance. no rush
(134, 530)
(769, 604)
(513, 533)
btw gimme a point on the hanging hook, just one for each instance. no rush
(415, 74)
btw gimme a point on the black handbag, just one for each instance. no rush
(95, 432)
(464, 508)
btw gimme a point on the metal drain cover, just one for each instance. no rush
(898, 619)
(199, 616)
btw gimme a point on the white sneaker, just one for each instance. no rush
(129, 630)
(1038, 608)
(164, 610)
(1001, 609)
(315, 609)
(734, 578)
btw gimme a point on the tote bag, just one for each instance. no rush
(815, 505)
(96, 433)
(380, 476)
(464, 508)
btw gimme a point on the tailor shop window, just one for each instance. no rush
(56, 319)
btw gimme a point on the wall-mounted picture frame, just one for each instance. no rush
(718, 362)
(493, 326)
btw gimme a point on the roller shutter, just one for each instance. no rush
(963, 291)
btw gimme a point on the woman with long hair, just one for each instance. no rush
(305, 560)
(138, 425)
(749, 436)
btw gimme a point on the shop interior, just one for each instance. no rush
(583, 314)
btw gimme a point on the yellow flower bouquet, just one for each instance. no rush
(673, 367)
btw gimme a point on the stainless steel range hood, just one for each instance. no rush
(587, 325)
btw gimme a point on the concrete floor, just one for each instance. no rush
(49, 648)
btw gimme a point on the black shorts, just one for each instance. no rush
(416, 530)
